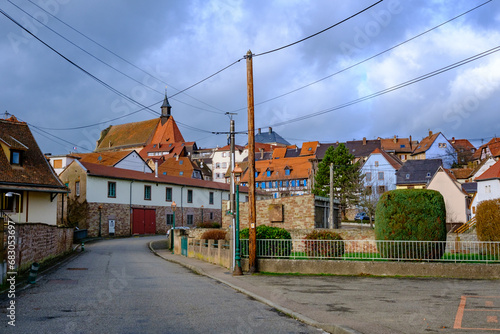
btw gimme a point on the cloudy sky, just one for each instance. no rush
(120, 56)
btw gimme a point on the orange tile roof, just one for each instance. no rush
(477, 154)
(279, 152)
(397, 145)
(426, 143)
(491, 173)
(167, 132)
(309, 148)
(174, 167)
(127, 135)
(462, 173)
(300, 168)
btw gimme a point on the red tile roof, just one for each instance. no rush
(34, 170)
(396, 145)
(300, 168)
(491, 173)
(125, 174)
(167, 132)
(174, 167)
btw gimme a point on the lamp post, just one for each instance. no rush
(237, 253)
(173, 226)
(10, 194)
(202, 214)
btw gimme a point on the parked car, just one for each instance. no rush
(361, 216)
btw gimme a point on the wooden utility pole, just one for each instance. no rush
(330, 223)
(252, 242)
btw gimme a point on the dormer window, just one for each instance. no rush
(16, 157)
(428, 174)
(181, 162)
(407, 176)
(268, 173)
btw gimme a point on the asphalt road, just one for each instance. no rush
(118, 286)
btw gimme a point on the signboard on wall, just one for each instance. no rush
(111, 223)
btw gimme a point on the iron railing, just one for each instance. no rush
(377, 250)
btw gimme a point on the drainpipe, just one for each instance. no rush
(130, 208)
(182, 208)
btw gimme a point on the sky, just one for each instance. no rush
(104, 61)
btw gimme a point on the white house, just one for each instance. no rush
(488, 186)
(123, 202)
(221, 160)
(380, 172)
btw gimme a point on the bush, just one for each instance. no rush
(411, 215)
(282, 247)
(488, 220)
(334, 248)
(214, 235)
(208, 225)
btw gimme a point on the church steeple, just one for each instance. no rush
(166, 107)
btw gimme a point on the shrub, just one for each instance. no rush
(214, 235)
(282, 247)
(208, 225)
(411, 215)
(333, 246)
(488, 220)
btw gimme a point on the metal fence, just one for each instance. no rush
(376, 250)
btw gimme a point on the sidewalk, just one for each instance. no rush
(249, 285)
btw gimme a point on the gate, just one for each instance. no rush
(144, 221)
(184, 246)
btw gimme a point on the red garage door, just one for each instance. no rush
(144, 221)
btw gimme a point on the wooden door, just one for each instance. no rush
(144, 221)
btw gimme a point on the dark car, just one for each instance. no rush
(361, 216)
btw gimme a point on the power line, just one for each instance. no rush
(393, 88)
(121, 58)
(319, 32)
(369, 58)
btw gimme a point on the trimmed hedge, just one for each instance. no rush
(208, 225)
(282, 247)
(411, 215)
(214, 235)
(488, 220)
(335, 248)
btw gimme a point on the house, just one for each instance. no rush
(272, 138)
(400, 147)
(490, 149)
(59, 162)
(465, 150)
(221, 160)
(435, 146)
(284, 176)
(124, 202)
(379, 172)
(456, 200)
(181, 166)
(488, 186)
(462, 175)
(482, 167)
(416, 174)
(28, 184)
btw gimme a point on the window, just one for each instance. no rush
(181, 162)
(293, 183)
(224, 154)
(263, 185)
(287, 171)
(190, 196)
(281, 184)
(57, 163)
(190, 219)
(217, 165)
(211, 215)
(270, 184)
(428, 174)
(380, 175)
(256, 174)
(181, 173)
(211, 198)
(77, 188)
(147, 193)
(381, 189)
(170, 218)
(224, 165)
(442, 145)
(112, 189)
(15, 157)
(487, 189)
(407, 176)
(376, 163)
(369, 190)
(168, 194)
(368, 176)
(305, 182)
(268, 173)
(256, 184)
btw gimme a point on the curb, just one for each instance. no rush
(334, 329)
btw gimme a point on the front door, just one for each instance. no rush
(144, 221)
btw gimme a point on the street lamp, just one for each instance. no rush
(173, 226)
(10, 194)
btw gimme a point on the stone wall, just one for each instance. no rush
(37, 241)
(298, 213)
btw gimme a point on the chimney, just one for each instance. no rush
(259, 131)
(395, 140)
(364, 141)
(430, 133)
(156, 168)
(261, 153)
(270, 130)
(453, 140)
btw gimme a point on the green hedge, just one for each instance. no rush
(411, 215)
(282, 247)
(326, 248)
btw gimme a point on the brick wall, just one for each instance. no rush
(298, 213)
(37, 241)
